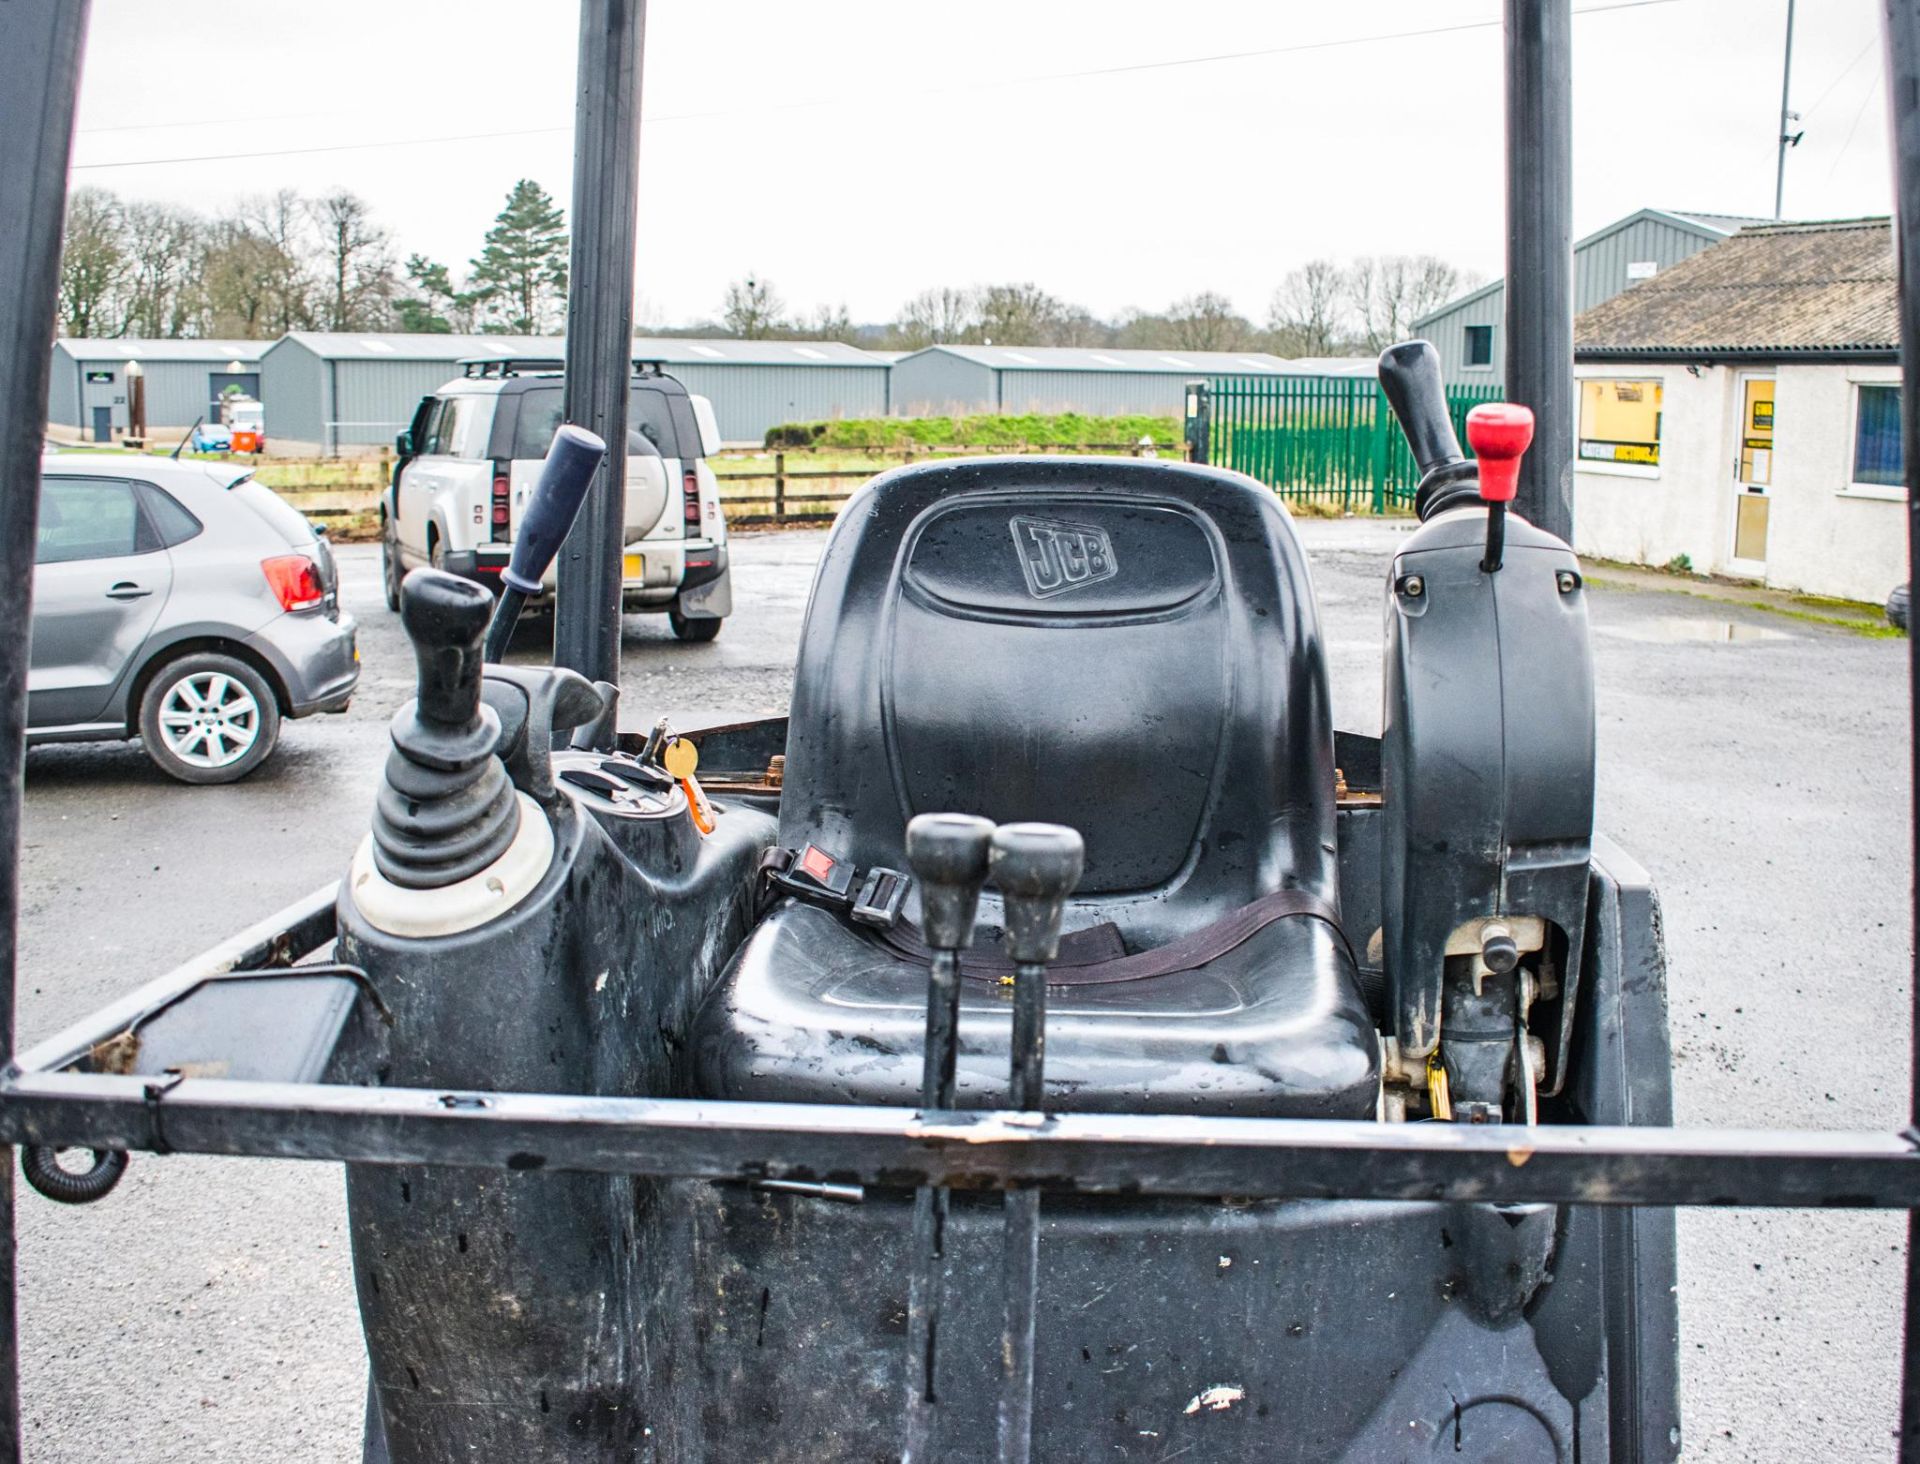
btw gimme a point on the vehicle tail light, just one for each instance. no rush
(294, 580)
(502, 512)
(690, 487)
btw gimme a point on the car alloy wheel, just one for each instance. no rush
(209, 720)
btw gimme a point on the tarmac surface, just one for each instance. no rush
(1755, 763)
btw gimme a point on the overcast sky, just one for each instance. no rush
(1117, 152)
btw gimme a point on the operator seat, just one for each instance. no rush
(1128, 647)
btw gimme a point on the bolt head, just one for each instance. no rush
(1567, 580)
(1413, 586)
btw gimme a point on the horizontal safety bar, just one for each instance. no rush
(1088, 1153)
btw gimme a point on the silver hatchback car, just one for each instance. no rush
(184, 604)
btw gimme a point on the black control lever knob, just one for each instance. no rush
(445, 618)
(947, 853)
(1410, 376)
(447, 809)
(1035, 866)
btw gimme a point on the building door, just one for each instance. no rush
(221, 383)
(102, 424)
(1753, 475)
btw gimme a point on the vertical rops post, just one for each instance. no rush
(40, 44)
(1539, 36)
(1903, 91)
(606, 168)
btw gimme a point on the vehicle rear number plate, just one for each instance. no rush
(634, 566)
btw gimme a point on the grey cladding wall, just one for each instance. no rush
(1096, 393)
(935, 384)
(748, 399)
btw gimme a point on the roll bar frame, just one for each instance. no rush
(42, 1103)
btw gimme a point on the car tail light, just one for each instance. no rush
(502, 512)
(690, 487)
(294, 580)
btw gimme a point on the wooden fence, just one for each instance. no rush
(793, 501)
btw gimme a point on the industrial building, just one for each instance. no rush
(346, 390)
(1099, 381)
(1470, 332)
(1741, 413)
(87, 388)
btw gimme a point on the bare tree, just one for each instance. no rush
(357, 259)
(93, 264)
(1307, 315)
(751, 308)
(162, 245)
(939, 316)
(1207, 322)
(823, 323)
(285, 280)
(1020, 315)
(1390, 292)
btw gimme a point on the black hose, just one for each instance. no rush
(40, 1163)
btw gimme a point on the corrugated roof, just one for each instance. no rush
(1105, 358)
(674, 350)
(1719, 225)
(130, 348)
(1331, 365)
(1773, 289)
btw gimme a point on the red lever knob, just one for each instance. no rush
(1498, 433)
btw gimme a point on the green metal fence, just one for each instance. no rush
(1323, 439)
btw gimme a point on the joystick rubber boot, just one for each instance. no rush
(453, 845)
(447, 810)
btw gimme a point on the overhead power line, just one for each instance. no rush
(798, 105)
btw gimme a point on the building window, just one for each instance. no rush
(1620, 423)
(1879, 458)
(1479, 345)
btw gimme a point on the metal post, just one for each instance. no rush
(780, 487)
(1540, 251)
(1787, 139)
(606, 168)
(1903, 90)
(40, 42)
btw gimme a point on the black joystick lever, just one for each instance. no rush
(572, 457)
(1410, 376)
(947, 853)
(447, 809)
(1035, 866)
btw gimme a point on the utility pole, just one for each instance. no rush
(1787, 139)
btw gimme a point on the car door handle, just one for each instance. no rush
(127, 590)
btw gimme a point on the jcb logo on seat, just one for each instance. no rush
(1057, 557)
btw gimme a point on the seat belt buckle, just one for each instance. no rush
(814, 874)
(881, 895)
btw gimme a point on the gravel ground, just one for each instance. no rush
(1755, 764)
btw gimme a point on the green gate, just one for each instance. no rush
(1323, 439)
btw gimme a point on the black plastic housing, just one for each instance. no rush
(1487, 758)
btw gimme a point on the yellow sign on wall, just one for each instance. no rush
(1756, 437)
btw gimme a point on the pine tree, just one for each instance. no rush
(520, 278)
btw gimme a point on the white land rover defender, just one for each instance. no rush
(469, 460)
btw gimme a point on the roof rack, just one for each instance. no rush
(504, 366)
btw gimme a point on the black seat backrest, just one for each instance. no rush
(1128, 647)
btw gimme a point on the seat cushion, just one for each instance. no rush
(811, 1010)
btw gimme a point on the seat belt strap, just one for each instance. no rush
(1096, 957)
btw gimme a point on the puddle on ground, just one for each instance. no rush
(1682, 629)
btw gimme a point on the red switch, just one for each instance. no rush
(1498, 433)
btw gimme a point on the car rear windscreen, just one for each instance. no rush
(649, 411)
